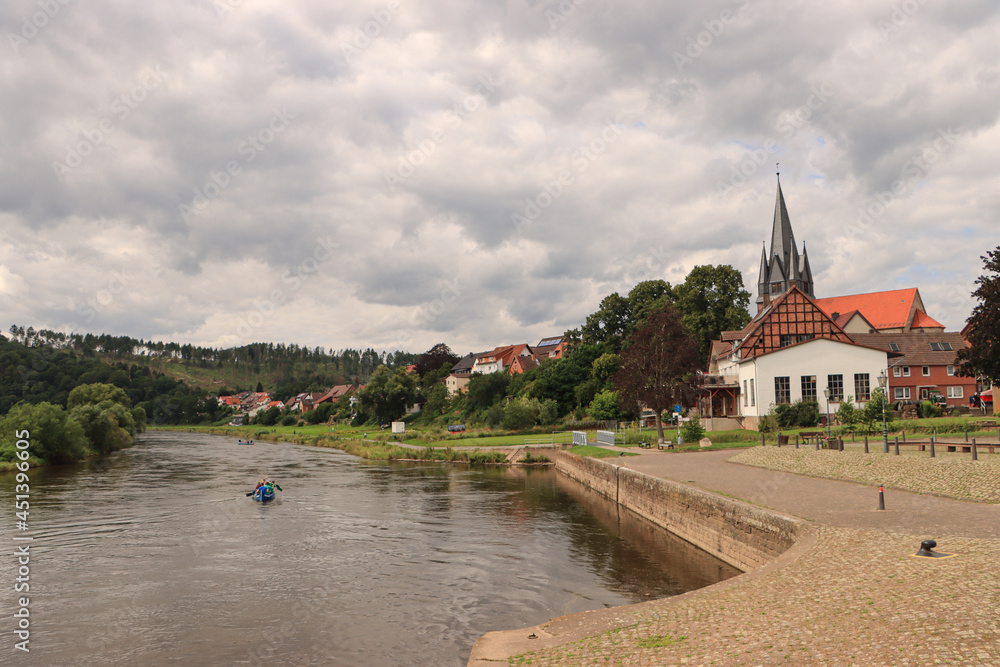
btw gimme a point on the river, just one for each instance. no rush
(156, 556)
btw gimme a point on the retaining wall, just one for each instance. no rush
(741, 534)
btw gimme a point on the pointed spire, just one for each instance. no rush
(782, 239)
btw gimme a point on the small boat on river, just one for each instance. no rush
(248, 442)
(264, 494)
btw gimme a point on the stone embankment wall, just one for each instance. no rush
(741, 534)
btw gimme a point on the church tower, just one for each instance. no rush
(784, 267)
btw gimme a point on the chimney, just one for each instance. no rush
(765, 302)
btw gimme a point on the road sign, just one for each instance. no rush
(678, 409)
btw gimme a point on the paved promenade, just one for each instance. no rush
(851, 594)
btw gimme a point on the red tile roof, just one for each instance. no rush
(922, 320)
(885, 310)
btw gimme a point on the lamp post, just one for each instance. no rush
(826, 392)
(883, 380)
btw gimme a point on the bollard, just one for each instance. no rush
(762, 440)
(932, 447)
(897, 445)
(817, 443)
(866, 444)
(904, 437)
(796, 439)
(975, 455)
(840, 444)
(881, 499)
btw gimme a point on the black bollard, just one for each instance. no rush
(881, 498)
(975, 455)
(932, 447)
(897, 445)
(866, 444)
(761, 439)
(796, 439)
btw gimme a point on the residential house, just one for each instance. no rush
(458, 379)
(791, 351)
(500, 358)
(923, 364)
(335, 394)
(552, 347)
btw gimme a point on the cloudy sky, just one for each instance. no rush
(405, 172)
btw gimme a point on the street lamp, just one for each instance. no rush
(883, 380)
(826, 392)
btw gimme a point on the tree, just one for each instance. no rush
(87, 394)
(435, 358)
(656, 366)
(875, 408)
(604, 407)
(712, 300)
(617, 316)
(54, 437)
(387, 394)
(983, 357)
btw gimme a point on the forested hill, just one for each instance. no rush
(168, 379)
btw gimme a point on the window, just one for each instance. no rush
(836, 385)
(955, 392)
(775, 288)
(925, 393)
(926, 371)
(752, 402)
(745, 399)
(941, 347)
(808, 387)
(786, 340)
(804, 337)
(902, 393)
(896, 372)
(782, 390)
(862, 388)
(894, 347)
(951, 370)
(906, 371)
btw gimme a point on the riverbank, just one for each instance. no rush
(853, 595)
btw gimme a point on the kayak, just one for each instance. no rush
(249, 442)
(264, 494)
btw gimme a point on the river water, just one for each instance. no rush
(156, 556)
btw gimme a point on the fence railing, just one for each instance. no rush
(579, 437)
(554, 438)
(610, 438)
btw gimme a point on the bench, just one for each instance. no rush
(645, 445)
(666, 444)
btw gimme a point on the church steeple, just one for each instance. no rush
(785, 267)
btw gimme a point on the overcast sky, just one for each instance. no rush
(397, 174)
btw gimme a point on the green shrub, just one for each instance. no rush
(692, 430)
(930, 410)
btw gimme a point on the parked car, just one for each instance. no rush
(456, 428)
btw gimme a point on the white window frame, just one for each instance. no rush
(901, 393)
(951, 371)
(926, 371)
(897, 371)
(745, 396)
(906, 371)
(752, 394)
(956, 392)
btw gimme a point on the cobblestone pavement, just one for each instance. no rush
(858, 597)
(855, 597)
(954, 475)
